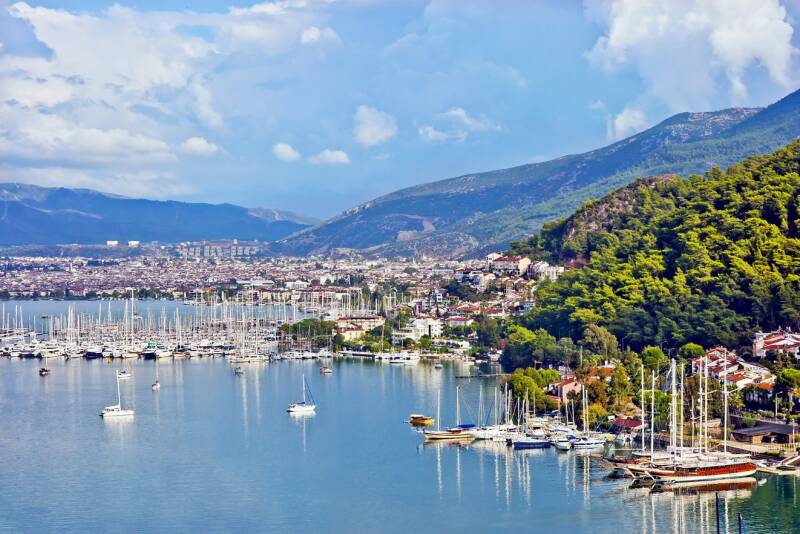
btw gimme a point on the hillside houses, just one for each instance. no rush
(780, 341)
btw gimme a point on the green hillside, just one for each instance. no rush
(674, 260)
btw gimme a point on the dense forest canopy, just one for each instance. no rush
(669, 261)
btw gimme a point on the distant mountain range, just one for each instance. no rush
(474, 213)
(45, 216)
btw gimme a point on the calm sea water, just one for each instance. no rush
(213, 451)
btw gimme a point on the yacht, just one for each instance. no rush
(116, 410)
(303, 406)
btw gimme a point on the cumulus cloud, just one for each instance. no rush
(285, 152)
(627, 122)
(688, 51)
(456, 124)
(473, 124)
(313, 34)
(199, 146)
(330, 157)
(373, 127)
(430, 134)
(114, 94)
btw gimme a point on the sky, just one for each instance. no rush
(316, 106)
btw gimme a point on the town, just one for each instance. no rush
(467, 309)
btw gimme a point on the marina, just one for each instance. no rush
(212, 450)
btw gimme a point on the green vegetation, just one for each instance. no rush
(670, 261)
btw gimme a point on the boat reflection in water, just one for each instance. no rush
(741, 486)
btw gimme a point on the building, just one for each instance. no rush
(517, 265)
(419, 327)
(541, 270)
(561, 389)
(112, 243)
(133, 244)
(363, 322)
(780, 341)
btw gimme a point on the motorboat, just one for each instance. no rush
(123, 374)
(416, 419)
(326, 370)
(44, 371)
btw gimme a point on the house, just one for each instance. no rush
(364, 322)
(759, 396)
(350, 333)
(458, 321)
(779, 341)
(420, 326)
(517, 265)
(561, 389)
(541, 270)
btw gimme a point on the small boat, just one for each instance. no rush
(238, 371)
(438, 365)
(44, 371)
(416, 419)
(326, 370)
(303, 407)
(156, 385)
(530, 442)
(115, 410)
(123, 374)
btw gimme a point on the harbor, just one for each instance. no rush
(215, 450)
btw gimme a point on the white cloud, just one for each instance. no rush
(110, 87)
(456, 124)
(373, 127)
(686, 51)
(285, 152)
(313, 34)
(330, 157)
(597, 105)
(629, 121)
(428, 133)
(199, 146)
(55, 141)
(474, 124)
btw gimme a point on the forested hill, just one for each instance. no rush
(702, 259)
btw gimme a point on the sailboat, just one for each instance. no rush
(156, 385)
(303, 406)
(456, 433)
(587, 440)
(115, 410)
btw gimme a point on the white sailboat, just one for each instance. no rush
(115, 410)
(156, 385)
(303, 406)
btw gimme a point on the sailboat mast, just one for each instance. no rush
(643, 412)
(438, 409)
(458, 411)
(652, 410)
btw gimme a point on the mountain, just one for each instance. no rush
(40, 215)
(478, 212)
(671, 260)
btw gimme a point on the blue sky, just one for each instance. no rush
(317, 105)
